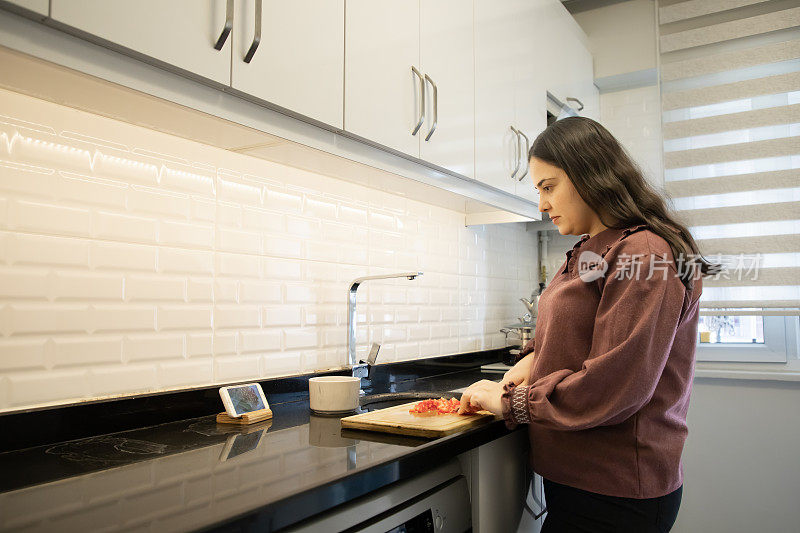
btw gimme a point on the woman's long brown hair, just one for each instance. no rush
(613, 185)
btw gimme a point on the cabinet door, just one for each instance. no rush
(495, 144)
(557, 61)
(298, 63)
(179, 32)
(382, 94)
(530, 99)
(447, 58)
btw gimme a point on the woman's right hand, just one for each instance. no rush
(520, 372)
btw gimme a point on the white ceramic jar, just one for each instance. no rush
(333, 394)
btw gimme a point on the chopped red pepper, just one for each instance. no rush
(440, 406)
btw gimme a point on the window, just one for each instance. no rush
(730, 99)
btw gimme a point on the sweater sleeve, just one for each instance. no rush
(633, 333)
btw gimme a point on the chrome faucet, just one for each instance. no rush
(361, 369)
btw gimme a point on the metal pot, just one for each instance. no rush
(523, 331)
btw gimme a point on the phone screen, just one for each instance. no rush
(245, 399)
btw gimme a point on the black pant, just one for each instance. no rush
(571, 510)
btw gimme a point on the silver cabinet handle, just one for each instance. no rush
(226, 30)
(421, 101)
(256, 35)
(435, 107)
(516, 152)
(569, 98)
(527, 149)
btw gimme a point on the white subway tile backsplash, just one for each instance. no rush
(324, 251)
(199, 344)
(239, 193)
(294, 338)
(174, 260)
(94, 191)
(126, 266)
(226, 290)
(121, 256)
(282, 315)
(48, 218)
(320, 271)
(231, 240)
(69, 285)
(259, 219)
(282, 247)
(238, 265)
(24, 249)
(123, 317)
(125, 167)
(186, 234)
(281, 269)
(224, 342)
(145, 347)
(282, 364)
(252, 291)
(86, 351)
(184, 317)
(244, 316)
(48, 318)
(19, 354)
(119, 379)
(33, 388)
(139, 288)
(204, 210)
(260, 341)
(187, 179)
(24, 284)
(236, 368)
(352, 214)
(283, 201)
(50, 151)
(185, 373)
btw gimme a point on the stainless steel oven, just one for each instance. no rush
(437, 501)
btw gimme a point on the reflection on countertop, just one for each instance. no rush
(191, 474)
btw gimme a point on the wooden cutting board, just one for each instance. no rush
(398, 420)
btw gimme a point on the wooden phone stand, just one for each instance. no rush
(246, 419)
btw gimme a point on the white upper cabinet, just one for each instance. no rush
(569, 66)
(459, 84)
(497, 151)
(447, 63)
(291, 54)
(383, 95)
(182, 33)
(530, 99)
(409, 78)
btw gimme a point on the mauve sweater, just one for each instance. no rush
(612, 372)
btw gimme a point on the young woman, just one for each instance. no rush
(604, 386)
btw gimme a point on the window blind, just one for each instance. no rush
(730, 97)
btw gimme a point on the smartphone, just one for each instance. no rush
(241, 399)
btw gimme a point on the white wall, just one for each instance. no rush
(621, 36)
(133, 261)
(741, 464)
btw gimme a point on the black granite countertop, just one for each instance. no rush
(194, 474)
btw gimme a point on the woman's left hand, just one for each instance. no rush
(482, 395)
